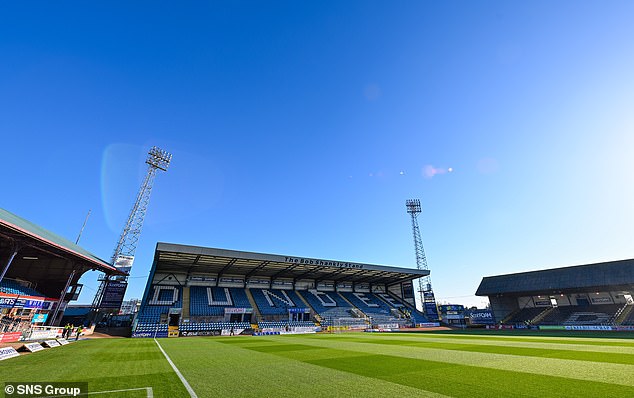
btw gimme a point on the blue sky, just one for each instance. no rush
(301, 128)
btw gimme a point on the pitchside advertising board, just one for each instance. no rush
(33, 347)
(216, 332)
(481, 317)
(10, 337)
(51, 343)
(8, 352)
(45, 333)
(161, 334)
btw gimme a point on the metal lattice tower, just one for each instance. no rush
(123, 255)
(424, 284)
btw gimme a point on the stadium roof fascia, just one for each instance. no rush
(617, 275)
(170, 257)
(28, 230)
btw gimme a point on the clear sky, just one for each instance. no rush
(301, 128)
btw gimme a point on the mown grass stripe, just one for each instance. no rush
(224, 367)
(559, 352)
(182, 378)
(447, 378)
(105, 364)
(345, 365)
(580, 370)
(572, 345)
(626, 339)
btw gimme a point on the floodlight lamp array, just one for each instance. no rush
(413, 206)
(159, 158)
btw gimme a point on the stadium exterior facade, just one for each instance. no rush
(196, 290)
(583, 296)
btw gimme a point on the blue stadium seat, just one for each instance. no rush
(13, 287)
(276, 302)
(415, 315)
(151, 310)
(212, 301)
(579, 315)
(327, 304)
(368, 303)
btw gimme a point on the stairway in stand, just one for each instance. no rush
(185, 310)
(313, 313)
(623, 314)
(542, 315)
(256, 310)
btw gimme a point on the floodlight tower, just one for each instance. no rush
(427, 299)
(123, 255)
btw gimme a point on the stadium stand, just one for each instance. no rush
(11, 324)
(38, 265)
(201, 297)
(408, 309)
(276, 302)
(164, 298)
(212, 301)
(582, 295)
(525, 315)
(151, 327)
(225, 289)
(581, 315)
(327, 304)
(14, 287)
(372, 306)
(629, 318)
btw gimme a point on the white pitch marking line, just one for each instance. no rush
(189, 388)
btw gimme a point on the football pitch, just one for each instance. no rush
(340, 365)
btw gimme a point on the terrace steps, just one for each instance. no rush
(511, 315)
(624, 314)
(412, 308)
(185, 310)
(256, 310)
(355, 311)
(313, 313)
(542, 315)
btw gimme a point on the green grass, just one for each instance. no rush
(345, 365)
